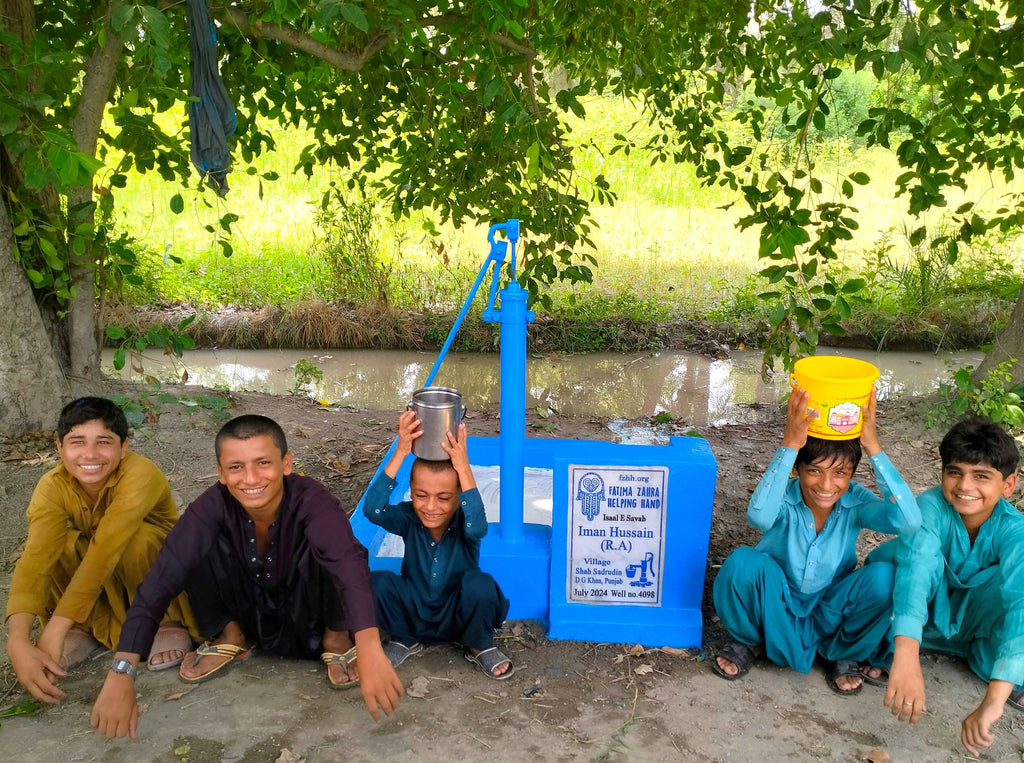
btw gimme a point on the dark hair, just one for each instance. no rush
(977, 440)
(829, 451)
(437, 467)
(92, 409)
(248, 426)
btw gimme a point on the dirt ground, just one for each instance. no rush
(567, 700)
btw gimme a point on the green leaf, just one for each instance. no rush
(119, 358)
(116, 332)
(354, 15)
(515, 28)
(860, 178)
(177, 204)
(532, 160)
(28, 707)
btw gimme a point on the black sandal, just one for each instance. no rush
(1016, 699)
(882, 680)
(740, 655)
(843, 669)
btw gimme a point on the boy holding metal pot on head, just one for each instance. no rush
(441, 595)
(799, 593)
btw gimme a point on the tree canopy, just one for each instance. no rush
(448, 107)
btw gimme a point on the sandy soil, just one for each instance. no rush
(567, 700)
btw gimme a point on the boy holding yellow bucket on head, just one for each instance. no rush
(798, 593)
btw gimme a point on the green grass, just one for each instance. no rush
(667, 241)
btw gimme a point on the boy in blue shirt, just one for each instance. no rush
(441, 595)
(798, 593)
(960, 579)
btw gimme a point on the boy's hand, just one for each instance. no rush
(904, 694)
(116, 713)
(797, 416)
(36, 671)
(869, 431)
(975, 731)
(458, 452)
(409, 430)
(380, 684)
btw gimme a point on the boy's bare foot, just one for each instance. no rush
(340, 642)
(192, 668)
(79, 646)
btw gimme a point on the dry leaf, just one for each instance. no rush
(619, 659)
(182, 750)
(637, 650)
(644, 669)
(673, 651)
(179, 693)
(287, 756)
(419, 688)
(877, 756)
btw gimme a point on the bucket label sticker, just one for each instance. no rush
(844, 417)
(616, 540)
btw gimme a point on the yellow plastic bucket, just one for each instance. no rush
(838, 387)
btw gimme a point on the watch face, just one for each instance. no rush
(122, 665)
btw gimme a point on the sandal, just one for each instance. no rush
(488, 660)
(1016, 699)
(740, 655)
(843, 669)
(397, 652)
(169, 638)
(882, 680)
(346, 659)
(231, 652)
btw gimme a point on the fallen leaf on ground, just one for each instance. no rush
(287, 756)
(674, 651)
(877, 756)
(644, 669)
(178, 694)
(182, 750)
(418, 688)
(637, 650)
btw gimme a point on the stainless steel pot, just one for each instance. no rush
(439, 410)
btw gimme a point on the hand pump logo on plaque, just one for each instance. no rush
(616, 534)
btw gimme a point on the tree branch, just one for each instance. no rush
(341, 59)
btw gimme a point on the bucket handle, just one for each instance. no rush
(408, 407)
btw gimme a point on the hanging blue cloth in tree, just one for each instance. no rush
(211, 115)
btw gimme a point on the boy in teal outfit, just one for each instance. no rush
(960, 579)
(798, 593)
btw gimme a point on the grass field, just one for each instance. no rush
(667, 240)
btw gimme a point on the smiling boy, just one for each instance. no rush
(96, 523)
(269, 561)
(441, 595)
(799, 593)
(960, 579)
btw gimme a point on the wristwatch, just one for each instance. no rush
(121, 665)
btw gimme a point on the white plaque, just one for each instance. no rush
(616, 534)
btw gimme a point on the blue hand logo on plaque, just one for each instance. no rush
(590, 494)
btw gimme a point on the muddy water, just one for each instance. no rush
(700, 390)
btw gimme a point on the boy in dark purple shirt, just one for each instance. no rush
(441, 595)
(269, 560)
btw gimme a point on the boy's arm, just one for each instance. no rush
(34, 667)
(769, 496)
(115, 712)
(919, 563)
(897, 513)
(976, 730)
(474, 517)
(767, 501)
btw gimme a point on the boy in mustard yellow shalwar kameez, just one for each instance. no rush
(96, 523)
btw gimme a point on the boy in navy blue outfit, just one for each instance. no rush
(441, 595)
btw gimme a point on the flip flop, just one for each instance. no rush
(230, 651)
(397, 652)
(169, 638)
(740, 655)
(333, 658)
(882, 680)
(842, 669)
(79, 646)
(488, 660)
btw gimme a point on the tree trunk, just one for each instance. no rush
(32, 385)
(1009, 345)
(84, 321)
